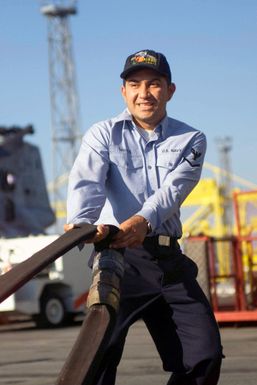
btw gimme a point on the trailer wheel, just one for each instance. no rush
(53, 312)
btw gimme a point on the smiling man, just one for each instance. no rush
(146, 94)
(134, 171)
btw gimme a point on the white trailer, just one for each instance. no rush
(54, 296)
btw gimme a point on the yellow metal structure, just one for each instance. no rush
(208, 204)
(246, 217)
(246, 204)
(207, 218)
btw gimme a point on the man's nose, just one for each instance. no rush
(143, 91)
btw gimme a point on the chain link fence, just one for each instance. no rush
(196, 249)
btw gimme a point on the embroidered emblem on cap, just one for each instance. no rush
(143, 57)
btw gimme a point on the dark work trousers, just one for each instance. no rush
(164, 293)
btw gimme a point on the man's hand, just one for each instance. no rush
(132, 233)
(101, 233)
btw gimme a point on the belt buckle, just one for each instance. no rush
(164, 240)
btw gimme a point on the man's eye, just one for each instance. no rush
(155, 84)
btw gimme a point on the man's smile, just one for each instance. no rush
(145, 105)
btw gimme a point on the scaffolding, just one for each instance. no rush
(66, 134)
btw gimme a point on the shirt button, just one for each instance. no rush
(149, 167)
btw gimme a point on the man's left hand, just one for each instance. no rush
(132, 233)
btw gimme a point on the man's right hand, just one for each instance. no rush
(101, 232)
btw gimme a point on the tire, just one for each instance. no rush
(53, 313)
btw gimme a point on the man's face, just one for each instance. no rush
(146, 94)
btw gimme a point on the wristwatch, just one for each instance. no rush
(149, 227)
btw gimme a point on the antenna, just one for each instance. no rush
(224, 148)
(65, 125)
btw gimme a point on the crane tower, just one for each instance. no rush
(224, 147)
(65, 129)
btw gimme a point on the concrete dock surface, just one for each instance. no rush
(30, 356)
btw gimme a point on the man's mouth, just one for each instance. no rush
(145, 105)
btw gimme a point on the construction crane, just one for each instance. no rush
(65, 120)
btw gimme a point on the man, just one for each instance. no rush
(135, 170)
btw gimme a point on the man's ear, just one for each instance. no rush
(123, 91)
(171, 90)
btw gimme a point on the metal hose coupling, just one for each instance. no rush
(108, 270)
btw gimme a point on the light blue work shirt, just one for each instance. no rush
(119, 173)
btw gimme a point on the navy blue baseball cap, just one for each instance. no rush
(147, 59)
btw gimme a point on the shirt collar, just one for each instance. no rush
(162, 126)
(125, 115)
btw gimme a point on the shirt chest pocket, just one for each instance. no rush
(126, 160)
(167, 161)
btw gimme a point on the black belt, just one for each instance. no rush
(161, 246)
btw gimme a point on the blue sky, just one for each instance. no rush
(210, 44)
